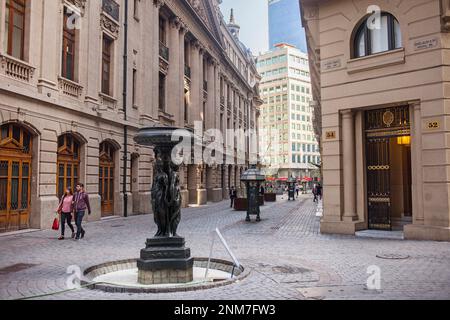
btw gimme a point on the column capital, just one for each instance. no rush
(175, 23)
(415, 104)
(184, 28)
(347, 113)
(158, 3)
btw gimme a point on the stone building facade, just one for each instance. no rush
(69, 109)
(380, 78)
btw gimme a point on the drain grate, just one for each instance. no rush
(393, 256)
(118, 226)
(16, 268)
(289, 270)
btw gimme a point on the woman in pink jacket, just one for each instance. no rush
(65, 210)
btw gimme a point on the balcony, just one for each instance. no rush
(111, 8)
(70, 88)
(187, 71)
(163, 51)
(107, 102)
(16, 69)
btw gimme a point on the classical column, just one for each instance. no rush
(416, 163)
(349, 165)
(179, 116)
(2, 26)
(93, 75)
(201, 79)
(50, 51)
(211, 103)
(192, 183)
(151, 110)
(175, 75)
(194, 114)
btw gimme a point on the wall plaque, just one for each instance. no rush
(330, 135)
(331, 64)
(426, 44)
(432, 125)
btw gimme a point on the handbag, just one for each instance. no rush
(55, 225)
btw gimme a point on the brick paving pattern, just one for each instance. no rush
(287, 256)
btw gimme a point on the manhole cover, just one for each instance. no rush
(16, 268)
(392, 256)
(289, 270)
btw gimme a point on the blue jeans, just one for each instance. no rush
(78, 220)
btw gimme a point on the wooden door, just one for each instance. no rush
(106, 179)
(15, 178)
(68, 164)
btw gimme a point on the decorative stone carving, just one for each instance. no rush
(110, 26)
(158, 3)
(80, 4)
(199, 9)
(175, 22)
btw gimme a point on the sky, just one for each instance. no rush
(253, 17)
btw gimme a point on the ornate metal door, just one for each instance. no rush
(381, 126)
(378, 183)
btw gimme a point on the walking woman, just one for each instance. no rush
(65, 209)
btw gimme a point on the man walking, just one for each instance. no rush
(81, 203)
(233, 196)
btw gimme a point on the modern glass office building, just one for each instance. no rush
(285, 25)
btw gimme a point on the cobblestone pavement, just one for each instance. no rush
(287, 256)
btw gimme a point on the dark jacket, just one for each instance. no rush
(233, 194)
(81, 202)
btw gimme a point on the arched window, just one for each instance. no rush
(106, 178)
(68, 163)
(15, 177)
(368, 41)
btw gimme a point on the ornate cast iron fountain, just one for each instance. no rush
(165, 258)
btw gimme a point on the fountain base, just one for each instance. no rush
(165, 260)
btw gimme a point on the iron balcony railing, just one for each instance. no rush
(163, 51)
(187, 71)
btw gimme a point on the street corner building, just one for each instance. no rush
(381, 80)
(79, 78)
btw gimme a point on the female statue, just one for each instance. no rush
(160, 199)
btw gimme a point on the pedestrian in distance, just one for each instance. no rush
(314, 191)
(233, 196)
(262, 191)
(81, 204)
(319, 191)
(65, 210)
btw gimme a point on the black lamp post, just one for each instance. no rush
(252, 179)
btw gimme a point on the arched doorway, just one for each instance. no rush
(106, 178)
(68, 163)
(15, 177)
